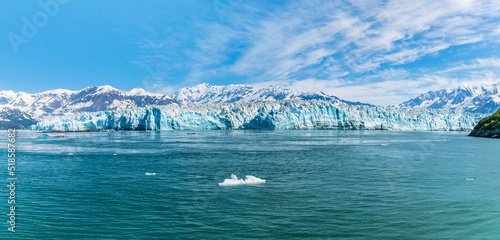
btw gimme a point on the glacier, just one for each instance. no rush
(275, 115)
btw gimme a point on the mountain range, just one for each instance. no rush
(476, 99)
(21, 110)
(206, 93)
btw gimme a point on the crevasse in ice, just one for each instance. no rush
(263, 115)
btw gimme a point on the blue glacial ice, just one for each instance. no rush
(45, 136)
(277, 115)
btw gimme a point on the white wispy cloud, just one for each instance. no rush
(354, 49)
(492, 62)
(363, 41)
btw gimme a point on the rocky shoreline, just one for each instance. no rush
(485, 133)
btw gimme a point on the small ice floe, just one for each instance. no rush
(469, 179)
(384, 144)
(45, 136)
(235, 181)
(150, 174)
(70, 153)
(114, 154)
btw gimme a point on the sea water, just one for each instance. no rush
(318, 185)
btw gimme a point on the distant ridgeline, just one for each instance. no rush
(22, 110)
(488, 127)
(275, 115)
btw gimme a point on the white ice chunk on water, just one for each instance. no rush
(235, 181)
(150, 174)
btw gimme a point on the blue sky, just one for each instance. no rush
(381, 52)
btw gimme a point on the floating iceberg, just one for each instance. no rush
(150, 174)
(45, 136)
(275, 115)
(235, 181)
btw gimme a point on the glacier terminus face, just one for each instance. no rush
(275, 115)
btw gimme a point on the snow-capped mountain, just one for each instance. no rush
(205, 93)
(21, 109)
(475, 99)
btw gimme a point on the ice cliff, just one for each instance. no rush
(263, 115)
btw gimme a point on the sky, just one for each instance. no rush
(379, 52)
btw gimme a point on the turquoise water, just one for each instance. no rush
(320, 185)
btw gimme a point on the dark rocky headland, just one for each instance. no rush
(488, 127)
